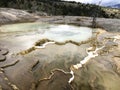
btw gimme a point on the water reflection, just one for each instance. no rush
(56, 32)
(62, 33)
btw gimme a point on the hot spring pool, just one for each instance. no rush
(56, 32)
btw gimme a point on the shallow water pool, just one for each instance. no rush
(56, 32)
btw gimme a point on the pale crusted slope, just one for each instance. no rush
(9, 15)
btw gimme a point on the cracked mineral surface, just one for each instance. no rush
(42, 56)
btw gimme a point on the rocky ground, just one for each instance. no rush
(8, 16)
(48, 68)
(111, 25)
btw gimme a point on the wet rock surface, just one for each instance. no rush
(3, 52)
(49, 68)
(59, 79)
(2, 58)
(100, 72)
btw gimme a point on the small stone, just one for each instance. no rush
(14, 87)
(6, 78)
(2, 58)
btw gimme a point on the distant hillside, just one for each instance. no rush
(115, 6)
(58, 7)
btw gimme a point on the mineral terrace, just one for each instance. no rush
(36, 53)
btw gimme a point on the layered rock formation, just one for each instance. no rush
(50, 67)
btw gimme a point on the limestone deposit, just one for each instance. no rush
(47, 57)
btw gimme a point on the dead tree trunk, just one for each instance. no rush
(94, 20)
(94, 23)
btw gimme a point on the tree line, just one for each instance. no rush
(56, 7)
